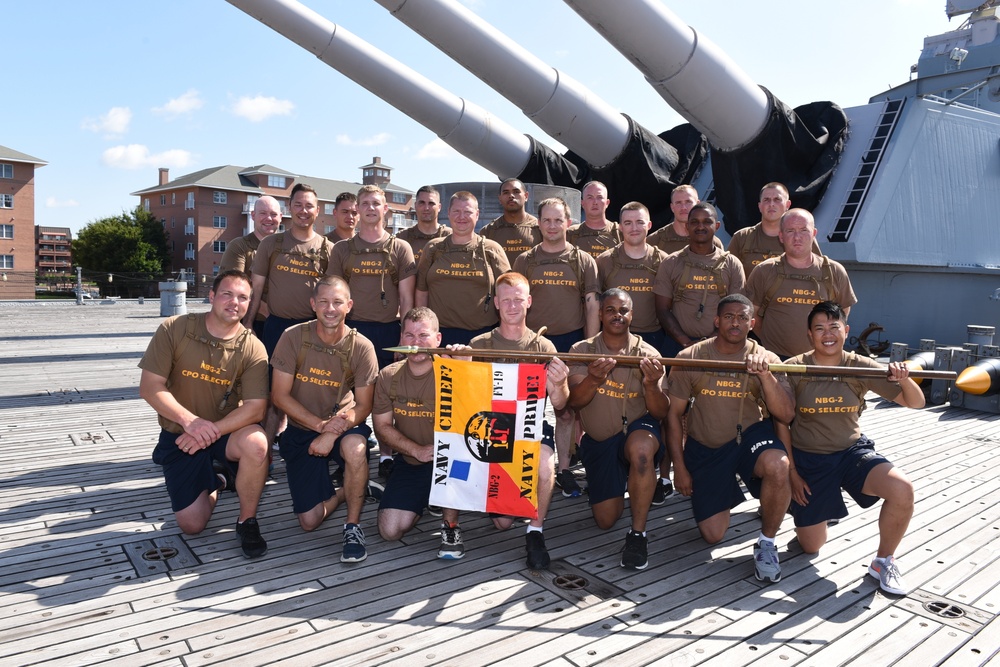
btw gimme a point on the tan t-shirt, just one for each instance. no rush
(557, 296)
(514, 239)
(669, 241)
(373, 269)
(717, 395)
(697, 283)
(458, 283)
(827, 408)
(292, 269)
(319, 380)
(635, 276)
(417, 239)
(620, 397)
(199, 367)
(752, 246)
(529, 342)
(410, 399)
(783, 325)
(594, 241)
(239, 254)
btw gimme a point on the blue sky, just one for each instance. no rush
(107, 91)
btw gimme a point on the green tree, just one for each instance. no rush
(132, 244)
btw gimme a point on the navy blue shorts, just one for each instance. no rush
(713, 471)
(456, 336)
(308, 475)
(827, 474)
(187, 475)
(382, 335)
(605, 462)
(565, 341)
(408, 487)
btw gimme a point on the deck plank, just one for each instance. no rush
(79, 495)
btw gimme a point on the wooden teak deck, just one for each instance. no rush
(94, 570)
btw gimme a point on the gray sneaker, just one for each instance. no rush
(765, 562)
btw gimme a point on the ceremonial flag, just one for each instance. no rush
(487, 435)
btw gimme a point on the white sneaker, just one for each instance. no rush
(888, 576)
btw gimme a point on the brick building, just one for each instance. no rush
(53, 254)
(203, 211)
(17, 224)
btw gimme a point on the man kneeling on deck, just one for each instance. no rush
(828, 452)
(324, 380)
(621, 408)
(206, 377)
(728, 432)
(403, 416)
(512, 302)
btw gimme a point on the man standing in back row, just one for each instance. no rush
(427, 204)
(674, 237)
(516, 230)
(784, 289)
(753, 245)
(596, 233)
(239, 254)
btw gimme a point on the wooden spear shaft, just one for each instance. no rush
(629, 360)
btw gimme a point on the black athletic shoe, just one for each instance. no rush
(253, 544)
(664, 489)
(227, 481)
(634, 554)
(337, 478)
(566, 481)
(538, 555)
(385, 469)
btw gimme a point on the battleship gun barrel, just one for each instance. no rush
(688, 71)
(558, 104)
(466, 127)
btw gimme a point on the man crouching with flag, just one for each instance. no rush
(512, 302)
(403, 417)
(621, 408)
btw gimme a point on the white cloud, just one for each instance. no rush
(374, 140)
(436, 150)
(137, 156)
(52, 202)
(259, 108)
(113, 123)
(186, 103)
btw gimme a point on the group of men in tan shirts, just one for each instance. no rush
(326, 307)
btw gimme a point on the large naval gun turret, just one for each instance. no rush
(903, 188)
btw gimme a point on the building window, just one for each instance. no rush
(328, 209)
(189, 227)
(399, 220)
(275, 181)
(6, 171)
(219, 221)
(173, 198)
(6, 231)
(189, 202)
(145, 205)
(218, 246)
(163, 200)
(399, 197)
(328, 229)
(219, 197)
(6, 201)
(6, 261)
(173, 222)
(189, 251)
